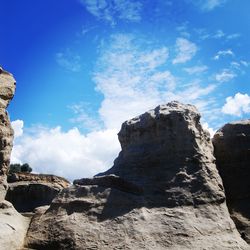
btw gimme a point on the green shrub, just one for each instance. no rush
(17, 168)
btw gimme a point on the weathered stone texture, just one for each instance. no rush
(232, 150)
(163, 192)
(7, 90)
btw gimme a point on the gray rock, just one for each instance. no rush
(7, 90)
(13, 227)
(26, 196)
(232, 151)
(169, 157)
(28, 191)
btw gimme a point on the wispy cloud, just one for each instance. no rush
(111, 11)
(84, 117)
(196, 69)
(204, 34)
(237, 105)
(185, 49)
(69, 61)
(131, 72)
(208, 5)
(223, 53)
(225, 75)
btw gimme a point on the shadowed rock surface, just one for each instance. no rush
(169, 157)
(232, 150)
(28, 191)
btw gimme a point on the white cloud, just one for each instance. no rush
(131, 78)
(208, 5)
(244, 63)
(70, 154)
(204, 34)
(233, 36)
(69, 61)
(219, 34)
(237, 105)
(196, 69)
(185, 50)
(17, 125)
(111, 11)
(210, 130)
(225, 76)
(223, 53)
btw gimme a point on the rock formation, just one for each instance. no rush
(232, 151)
(13, 226)
(163, 192)
(7, 90)
(28, 191)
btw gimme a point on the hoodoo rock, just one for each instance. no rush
(13, 226)
(163, 192)
(232, 151)
(7, 90)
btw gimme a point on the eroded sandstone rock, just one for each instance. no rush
(7, 90)
(232, 150)
(169, 157)
(28, 191)
(13, 226)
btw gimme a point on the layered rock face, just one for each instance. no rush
(232, 151)
(29, 191)
(7, 90)
(163, 192)
(13, 226)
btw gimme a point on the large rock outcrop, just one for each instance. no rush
(13, 226)
(7, 90)
(28, 191)
(163, 192)
(232, 151)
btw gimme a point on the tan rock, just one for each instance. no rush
(163, 192)
(7, 90)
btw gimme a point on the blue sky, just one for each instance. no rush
(85, 66)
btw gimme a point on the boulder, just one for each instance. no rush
(28, 191)
(7, 90)
(163, 192)
(13, 227)
(232, 151)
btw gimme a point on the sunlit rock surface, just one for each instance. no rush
(7, 90)
(163, 192)
(13, 226)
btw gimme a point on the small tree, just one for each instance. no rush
(17, 168)
(26, 168)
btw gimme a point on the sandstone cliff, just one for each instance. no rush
(13, 226)
(232, 150)
(7, 90)
(163, 192)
